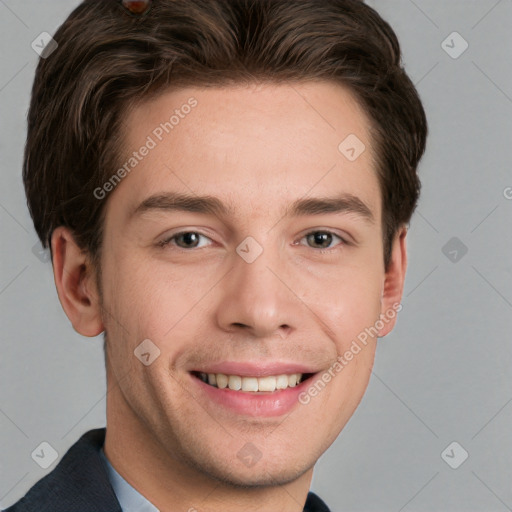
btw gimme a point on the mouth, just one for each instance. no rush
(252, 384)
(251, 389)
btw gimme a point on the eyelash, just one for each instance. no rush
(168, 240)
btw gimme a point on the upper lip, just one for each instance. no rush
(254, 369)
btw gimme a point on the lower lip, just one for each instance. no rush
(260, 404)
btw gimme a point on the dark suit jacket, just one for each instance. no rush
(80, 483)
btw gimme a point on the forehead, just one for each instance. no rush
(252, 146)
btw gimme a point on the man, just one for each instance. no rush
(225, 187)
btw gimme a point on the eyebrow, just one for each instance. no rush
(175, 201)
(344, 203)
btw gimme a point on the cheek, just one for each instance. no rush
(360, 313)
(347, 300)
(130, 298)
(155, 301)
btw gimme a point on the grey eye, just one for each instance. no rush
(321, 239)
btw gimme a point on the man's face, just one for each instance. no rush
(254, 291)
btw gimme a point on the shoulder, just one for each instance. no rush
(79, 482)
(315, 504)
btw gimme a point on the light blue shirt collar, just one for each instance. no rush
(129, 498)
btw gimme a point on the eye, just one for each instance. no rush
(322, 239)
(184, 240)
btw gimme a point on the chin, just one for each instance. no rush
(259, 478)
(262, 474)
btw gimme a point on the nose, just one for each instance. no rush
(256, 298)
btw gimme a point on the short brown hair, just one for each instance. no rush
(108, 59)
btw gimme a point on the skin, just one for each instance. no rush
(257, 148)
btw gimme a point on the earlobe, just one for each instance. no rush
(394, 282)
(74, 278)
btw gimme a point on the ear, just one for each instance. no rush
(75, 280)
(394, 279)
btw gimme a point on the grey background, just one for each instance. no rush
(442, 375)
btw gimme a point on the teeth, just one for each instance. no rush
(267, 383)
(251, 384)
(292, 380)
(282, 382)
(235, 382)
(222, 380)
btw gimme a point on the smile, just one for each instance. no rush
(268, 383)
